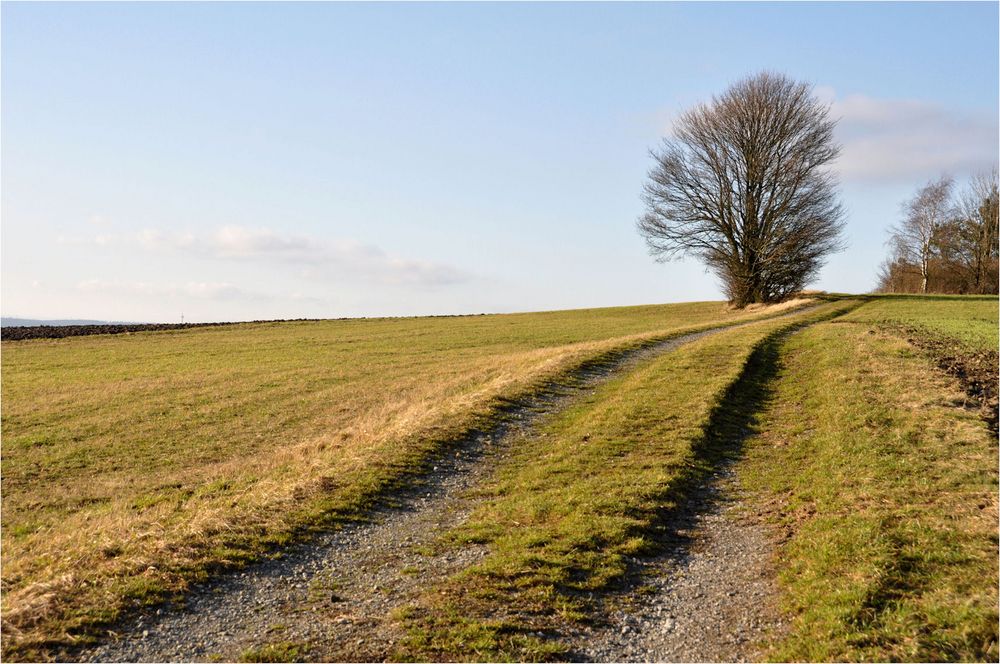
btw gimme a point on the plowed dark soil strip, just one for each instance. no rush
(976, 371)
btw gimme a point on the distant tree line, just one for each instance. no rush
(945, 242)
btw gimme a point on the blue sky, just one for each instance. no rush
(239, 161)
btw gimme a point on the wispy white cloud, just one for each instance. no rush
(241, 242)
(233, 242)
(901, 140)
(192, 289)
(100, 240)
(157, 240)
(907, 139)
(317, 259)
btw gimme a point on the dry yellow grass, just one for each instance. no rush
(787, 305)
(133, 464)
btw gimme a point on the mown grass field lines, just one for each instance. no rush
(885, 487)
(132, 464)
(591, 489)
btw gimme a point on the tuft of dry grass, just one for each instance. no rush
(136, 464)
(786, 305)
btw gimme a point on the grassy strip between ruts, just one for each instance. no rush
(886, 489)
(134, 465)
(575, 500)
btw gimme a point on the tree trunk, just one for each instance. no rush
(925, 258)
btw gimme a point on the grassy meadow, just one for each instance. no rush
(969, 320)
(883, 487)
(134, 464)
(879, 485)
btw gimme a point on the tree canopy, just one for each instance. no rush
(743, 184)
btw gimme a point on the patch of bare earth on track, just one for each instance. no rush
(333, 598)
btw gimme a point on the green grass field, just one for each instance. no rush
(134, 464)
(970, 320)
(886, 487)
(588, 491)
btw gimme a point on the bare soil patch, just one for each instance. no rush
(976, 371)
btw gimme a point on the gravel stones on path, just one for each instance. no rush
(709, 598)
(334, 595)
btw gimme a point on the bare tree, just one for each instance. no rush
(743, 184)
(891, 276)
(946, 245)
(978, 233)
(915, 238)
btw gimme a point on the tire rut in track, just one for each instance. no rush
(710, 595)
(710, 598)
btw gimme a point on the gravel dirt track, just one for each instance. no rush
(337, 593)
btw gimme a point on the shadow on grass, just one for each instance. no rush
(731, 423)
(335, 520)
(698, 491)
